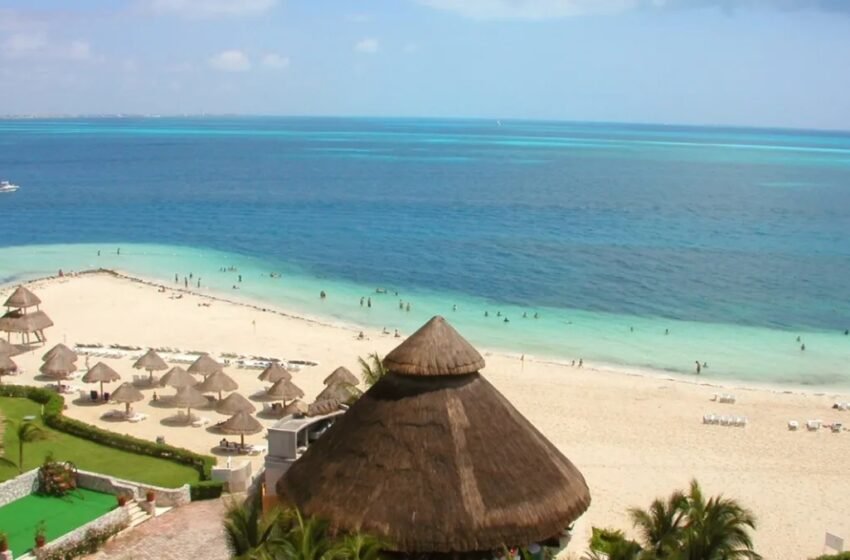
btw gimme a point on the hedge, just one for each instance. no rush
(54, 404)
(206, 490)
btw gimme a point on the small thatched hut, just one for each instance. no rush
(19, 320)
(433, 459)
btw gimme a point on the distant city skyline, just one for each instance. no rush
(763, 63)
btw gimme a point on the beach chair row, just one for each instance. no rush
(725, 398)
(815, 425)
(722, 420)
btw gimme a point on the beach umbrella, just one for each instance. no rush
(284, 390)
(126, 393)
(188, 397)
(341, 392)
(58, 367)
(60, 350)
(326, 406)
(22, 298)
(7, 366)
(274, 373)
(9, 349)
(101, 373)
(216, 383)
(433, 423)
(341, 375)
(178, 377)
(205, 365)
(295, 407)
(233, 403)
(242, 424)
(150, 361)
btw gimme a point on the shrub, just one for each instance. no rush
(53, 417)
(603, 540)
(839, 556)
(206, 490)
(90, 542)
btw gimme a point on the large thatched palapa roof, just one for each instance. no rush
(22, 298)
(433, 459)
(341, 375)
(17, 322)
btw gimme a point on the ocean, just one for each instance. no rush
(634, 245)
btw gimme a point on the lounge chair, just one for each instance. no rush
(813, 425)
(793, 425)
(836, 427)
(200, 422)
(257, 449)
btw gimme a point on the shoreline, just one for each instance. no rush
(596, 366)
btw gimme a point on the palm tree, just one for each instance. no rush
(247, 529)
(357, 547)
(717, 529)
(26, 432)
(660, 526)
(372, 370)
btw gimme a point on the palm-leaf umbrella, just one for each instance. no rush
(339, 391)
(127, 393)
(216, 383)
(284, 390)
(7, 366)
(151, 361)
(241, 423)
(9, 349)
(60, 350)
(188, 397)
(178, 377)
(341, 375)
(233, 403)
(22, 298)
(205, 365)
(58, 367)
(101, 373)
(295, 407)
(274, 373)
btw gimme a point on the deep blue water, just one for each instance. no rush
(748, 227)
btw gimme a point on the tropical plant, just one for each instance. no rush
(26, 432)
(246, 527)
(684, 527)
(371, 369)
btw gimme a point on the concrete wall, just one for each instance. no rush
(165, 497)
(237, 476)
(18, 487)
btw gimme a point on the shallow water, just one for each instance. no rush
(733, 239)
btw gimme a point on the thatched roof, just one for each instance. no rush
(437, 462)
(233, 403)
(101, 373)
(58, 366)
(326, 406)
(295, 407)
(341, 375)
(17, 322)
(215, 382)
(126, 393)
(7, 366)
(60, 350)
(341, 392)
(22, 297)
(435, 349)
(9, 349)
(178, 377)
(151, 361)
(241, 423)
(188, 397)
(274, 373)
(284, 390)
(205, 365)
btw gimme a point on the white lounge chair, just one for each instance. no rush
(813, 425)
(793, 425)
(257, 449)
(836, 427)
(200, 422)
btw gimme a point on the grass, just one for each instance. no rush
(60, 515)
(86, 454)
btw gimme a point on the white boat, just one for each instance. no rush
(6, 186)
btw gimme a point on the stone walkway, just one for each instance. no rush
(194, 531)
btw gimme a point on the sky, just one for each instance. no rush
(776, 63)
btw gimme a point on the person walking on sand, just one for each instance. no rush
(580, 362)
(199, 281)
(176, 278)
(397, 335)
(185, 282)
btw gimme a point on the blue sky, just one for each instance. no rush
(747, 62)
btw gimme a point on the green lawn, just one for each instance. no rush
(85, 454)
(60, 515)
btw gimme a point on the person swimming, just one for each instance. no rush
(486, 313)
(454, 307)
(524, 315)
(507, 320)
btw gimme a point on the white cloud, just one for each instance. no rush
(367, 46)
(529, 9)
(274, 60)
(78, 50)
(231, 61)
(20, 45)
(209, 8)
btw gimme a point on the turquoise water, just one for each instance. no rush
(753, 354)
(733, 240)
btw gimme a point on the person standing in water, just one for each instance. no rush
(699, 368)
(369, 303)
(362, 299)
(118, 251)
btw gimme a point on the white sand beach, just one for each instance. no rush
(634, 437)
